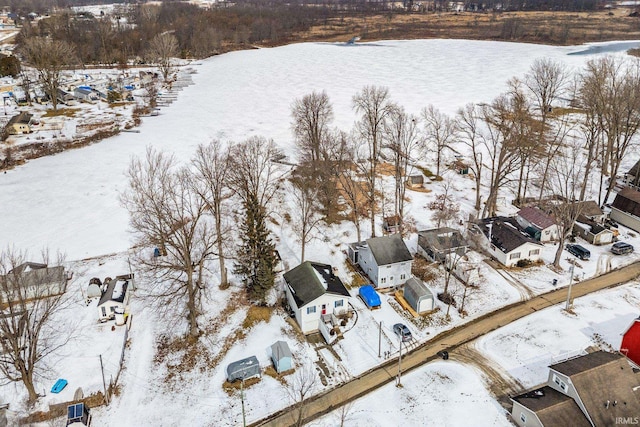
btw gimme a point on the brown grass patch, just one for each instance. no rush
(67, 112)
(232, 388)
(257, 314)
(423, 269)
(356, 278)
(271, 371)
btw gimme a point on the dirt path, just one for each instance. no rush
(450, 340)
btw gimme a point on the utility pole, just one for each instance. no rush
(104, 383)
(569, 291)
(379, 338)
(399, 384)
(244, 420)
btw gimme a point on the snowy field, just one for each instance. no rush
(70, 202)
(528, 346)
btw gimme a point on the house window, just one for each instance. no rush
(383, 280)
(403, 264)
(113, 309)
(338, 303)
(534, 252)
(391, 278)
(388, 266)
(523, 417)
(311, 310)
(104, 311)
(403, 276)
(547, 232)
(560, 383)
(493, 247)
(514, 255)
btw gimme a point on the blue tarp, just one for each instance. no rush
(59, 385)
(369, 296)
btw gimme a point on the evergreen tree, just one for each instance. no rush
(256, 258)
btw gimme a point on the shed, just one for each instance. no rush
(281, 356)
(243, 369)
(419, 297)
(630, 345)
(78, 415)
(93, 291)
(369, 296)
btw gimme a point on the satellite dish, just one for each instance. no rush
(79, 394)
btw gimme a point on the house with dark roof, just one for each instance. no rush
(314, 291)
(632, 177)
(538, 224)
(19, 124)
(597, 389)
(115, 297)
(625, 208)
(437, 243)
(591, 231)
(385, 260)
(591, 210)
(32, 280)
(503, 238)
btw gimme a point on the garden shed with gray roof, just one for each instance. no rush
(418, 295)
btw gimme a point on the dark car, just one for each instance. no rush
(579, 251)
(621, 248)
(402, 331)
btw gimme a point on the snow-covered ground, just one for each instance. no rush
(526, 348)
(70, 202)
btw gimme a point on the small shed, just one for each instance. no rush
(243, 369)
(630, 345)
(281, 356)
(369, 296)
(93, 290)
(419, 297)
(78, 415)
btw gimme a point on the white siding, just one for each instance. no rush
(309, 322)
(385, 276)
(631, 221)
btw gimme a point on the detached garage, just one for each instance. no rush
(419, 297)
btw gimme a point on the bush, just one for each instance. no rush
(524, 263)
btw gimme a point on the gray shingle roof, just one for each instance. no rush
(553, 408)
(389, 249)
(505, 233)
(305, 282)
(441, 239)
(536, 217)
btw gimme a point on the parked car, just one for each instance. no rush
(402, 331)
(579, 251)
(621, 248)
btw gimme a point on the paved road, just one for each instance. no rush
(386, 373)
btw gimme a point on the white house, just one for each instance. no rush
(506, 242)
(538, 224)
(313, 291)
(386, 260)
(116, 296)
(32, 280)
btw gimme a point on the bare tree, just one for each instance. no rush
(566, 177)
(167, 212)
(312, 115)
(401, 136)
(350, 187)
(211, 162)
(469, 123)
(302, 384)
(49, 57)
(307, 212)
(163, 48)
(444, 207)
(28, 334)
(374, 105)
(440, 131)
(590, 125)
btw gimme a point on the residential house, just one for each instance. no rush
(630, 345)
(385, 260)
(625, 208)
(591, 210)
(506, 242)
(116, 297)
(313, 290)
(596, 389)
(85, 93)
(591, 231)
(538, 224)
(437, 243)
(632, 177)
(65, 97)
(19, 124)
(32, 280)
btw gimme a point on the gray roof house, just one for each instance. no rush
(591, 390)
(115, 297)
(385, 260)
(625, 208)
(505, 240)
(32, 280)
(537, 224)
(591, 210)
(437, 243)
(313, 290)
(632, 177)
(592, 232)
